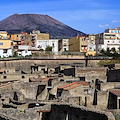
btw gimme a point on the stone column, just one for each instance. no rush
(87, 101)
(117, 103)
(80, 100)
(67, 117)
(40, 118)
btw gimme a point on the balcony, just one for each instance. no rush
(118, 38)
(110, 38)
(24, 47)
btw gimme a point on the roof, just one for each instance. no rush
(38, 79)
(81, 36)
(23, 33)
(2, 85)
(73, 85)
(116, 92)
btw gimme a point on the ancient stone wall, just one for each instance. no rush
(109, 85)
(91, 73)
(102, 100)
(25, 64)
(67, 112)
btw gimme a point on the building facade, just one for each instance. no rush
(109, 39)
(63, 45)
(5, 48)
(42, 44)
(78, 44)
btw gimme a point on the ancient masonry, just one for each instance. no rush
(58, 90)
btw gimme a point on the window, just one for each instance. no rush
(23, 76)
(45, 43)
(64, 49)
(111, 31)
(108, 41)
(4, 77)
(1, 43)
(119, 41)
(4, 51)
(53, 44)
(113, 41)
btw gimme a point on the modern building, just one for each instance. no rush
(3, 34)
(78, 44)
(63, 45)
(91, 45)
(43, 44)
(5, 48)
(109, 39)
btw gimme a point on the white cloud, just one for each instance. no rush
(101, 26)
(116, 21)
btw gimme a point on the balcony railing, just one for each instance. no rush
(24, 47)
(110, 38)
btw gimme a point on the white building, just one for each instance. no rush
(24, 51)
(5, 53)
(111, 38)
(63, 45)
(42, 44)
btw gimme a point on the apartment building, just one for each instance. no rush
(112, 38)
(3, 34)
(5, 48)
(78, 44)
(42, 44)
(63, 45)
(109, 39)
(91, 45)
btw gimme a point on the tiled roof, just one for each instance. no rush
(2, 85)
(73, 85)
(116, 92)
(38, 79)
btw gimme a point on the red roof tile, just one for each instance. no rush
(73, 85)
(115, 92)
(67, 85)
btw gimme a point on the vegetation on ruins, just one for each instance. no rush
(101, 63)
(110, 53)
(48, 48)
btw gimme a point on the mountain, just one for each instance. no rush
(27, 22)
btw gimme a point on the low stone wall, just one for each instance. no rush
(91, 73)
(56, 112)
(109, 85)
(70, 112)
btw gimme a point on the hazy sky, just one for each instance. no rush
(89, 16)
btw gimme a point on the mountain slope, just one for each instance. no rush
(27, 22)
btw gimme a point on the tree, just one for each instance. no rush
(113, 50)
(48, 48)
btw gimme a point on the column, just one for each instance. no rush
(117, 103)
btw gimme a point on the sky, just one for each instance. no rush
(88, 16)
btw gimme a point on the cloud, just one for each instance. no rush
(101, 26)
(116, 21)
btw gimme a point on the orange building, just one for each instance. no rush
(14, 36)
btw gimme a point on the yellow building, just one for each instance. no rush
(78, 44)
(5, 43)
(41, 36)
(3, 34)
